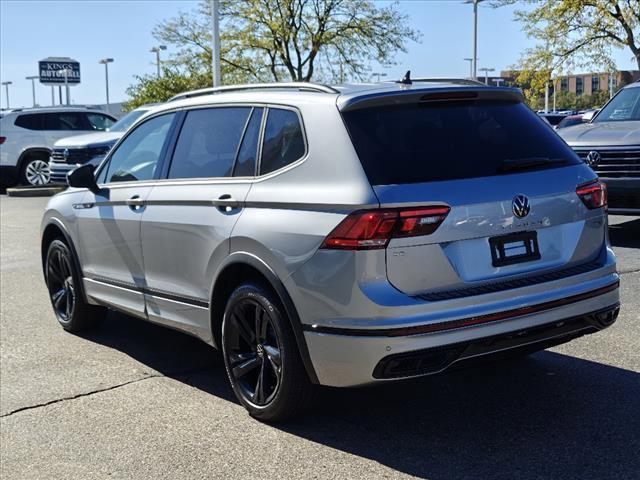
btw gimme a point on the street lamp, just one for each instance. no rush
(470, 60)
(33, 87)
(486, 74)
(106, 62)
(6, 86)
(65, 72)
(156, 50)
(475, 36)
(378, 74)
(498, 81)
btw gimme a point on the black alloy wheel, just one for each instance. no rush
(60, 283)
(253, 351)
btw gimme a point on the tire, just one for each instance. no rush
(35, 171)
(265, 369)
(61, 276)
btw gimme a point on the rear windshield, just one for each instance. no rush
(446, 141)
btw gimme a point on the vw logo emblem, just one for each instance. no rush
(520, 206)
(65, 153)
(593, 158)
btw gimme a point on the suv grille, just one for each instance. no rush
(78, 155)
(614, 162)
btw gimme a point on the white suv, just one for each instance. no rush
(27, 137)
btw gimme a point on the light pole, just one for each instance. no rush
(486, 74)
(106, 62)
(65, 72)
(470, 60)
(378, 74)
(6, 86)
(215, 42)
(498, 81)
(475, 36)
(156, 50)
(33, 87)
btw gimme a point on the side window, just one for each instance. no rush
(208, 142)
(30, 122)
(138, 154)
(248, 153)
(65, 121)
(99, 122)
(283, 140)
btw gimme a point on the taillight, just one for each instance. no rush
(2, 139)
(370, 229)
(593, 194)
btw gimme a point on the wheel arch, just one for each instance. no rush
(243, 266)
(30, 151)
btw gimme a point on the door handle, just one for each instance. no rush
(135, 202)
(227, 201)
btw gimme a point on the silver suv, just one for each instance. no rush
(610, 144)
(337, 236)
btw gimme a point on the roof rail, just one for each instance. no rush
(459, 81)
(300, 86)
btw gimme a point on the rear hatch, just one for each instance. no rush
(509, 181)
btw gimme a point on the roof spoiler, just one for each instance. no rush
(418, 94)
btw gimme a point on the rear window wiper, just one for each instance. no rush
(514, 164)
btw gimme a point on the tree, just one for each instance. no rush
(152, 89)
(575, 34)
(296, 40)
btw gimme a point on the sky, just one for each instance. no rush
(88, 30)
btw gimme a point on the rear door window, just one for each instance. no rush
(452, 140)
(66, 121)
(208, 142)
(31, 121)
(283, 141)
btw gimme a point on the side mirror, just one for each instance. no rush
(588, 116)
(82, 177)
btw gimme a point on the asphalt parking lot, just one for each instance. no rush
(134, 400)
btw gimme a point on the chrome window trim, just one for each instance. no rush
(214, 180)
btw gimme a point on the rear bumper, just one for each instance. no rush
(366, 356)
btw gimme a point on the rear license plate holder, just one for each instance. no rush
(514, 248)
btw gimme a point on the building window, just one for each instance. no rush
(579, 85)
(595, 83)
(564, 84)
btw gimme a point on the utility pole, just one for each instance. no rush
(6, 86)
(470, 60)
(474, 70)
(65, 71)
(106, 62)
(33, 87)
(215, 42)
(157, 50)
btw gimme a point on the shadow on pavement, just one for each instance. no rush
(544, 416)
(626, 234)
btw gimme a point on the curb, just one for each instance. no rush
(34, 192)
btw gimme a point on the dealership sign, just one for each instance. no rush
(52, 71)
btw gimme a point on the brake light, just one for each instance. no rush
(2, 139)
(593, 194)
(371, 229)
